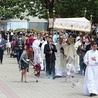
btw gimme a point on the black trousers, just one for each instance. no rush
(18, 53)
(1, 56)
(50, 68)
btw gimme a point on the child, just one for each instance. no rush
(37, 69)
(70, 70)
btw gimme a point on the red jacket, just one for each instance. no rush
(29, 43)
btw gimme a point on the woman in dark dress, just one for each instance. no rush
(23, 65)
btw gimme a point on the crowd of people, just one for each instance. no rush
(58, 54)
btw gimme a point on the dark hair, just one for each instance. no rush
(50, 37)
(81, 36)
(93, 43)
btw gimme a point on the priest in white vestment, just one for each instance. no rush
(70, 52)
(60, 65)
(37, 51)
(42, 52)
(91, 73)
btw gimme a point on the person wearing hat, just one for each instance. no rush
(91, 73)
(60, 66)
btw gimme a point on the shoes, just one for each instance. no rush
(72, 76)
(36, 80)
(1, 62)
(26, 82)
(48, 77)
(53, 77)
(92, 94)
(21, 79)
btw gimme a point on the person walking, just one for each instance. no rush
(91, 73)
(37, 49)
(2, 48)
(19, 47)
(8, 39)
(60, 65)
(37, 69)
(49, 51)
(23, 65)
(81, 52)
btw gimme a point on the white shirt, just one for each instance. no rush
(0, 40)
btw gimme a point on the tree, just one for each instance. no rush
(63, 8)
(13, 8)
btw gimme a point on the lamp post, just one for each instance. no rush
(91, 20)
(48, 18)
(85, 11)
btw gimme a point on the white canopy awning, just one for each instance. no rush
(77, 24)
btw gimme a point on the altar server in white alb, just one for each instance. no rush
(60, 67)
(91, 74)
(37, 50)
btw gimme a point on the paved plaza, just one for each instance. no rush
(12, 87)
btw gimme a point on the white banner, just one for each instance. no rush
(77, 24)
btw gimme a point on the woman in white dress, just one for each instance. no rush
(8, 43)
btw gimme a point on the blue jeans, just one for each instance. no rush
(82, 67)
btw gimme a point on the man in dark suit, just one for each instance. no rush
(49, 51)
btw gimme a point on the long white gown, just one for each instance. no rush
(70, 52)
(42, 50)
(91, 73)
(76, 45)
(43, 55)
(37, 51)
(60, 64)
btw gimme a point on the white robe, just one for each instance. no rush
(70, 69)
(37, 51)
(91, 73)
(60, 64)
(77, 44)
(42, 50)
(43, 55)
(70, 52)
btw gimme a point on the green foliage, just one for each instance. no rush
(19, 30)
(64, 8)
(38, 31)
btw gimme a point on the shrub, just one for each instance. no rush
(19, 29)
